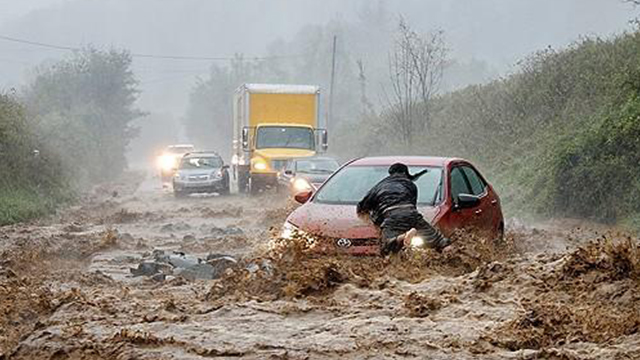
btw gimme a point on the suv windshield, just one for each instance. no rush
(292, 137)
(317, 166)
(352, 183)
(209, 162)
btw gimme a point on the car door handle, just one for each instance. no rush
(479, 211)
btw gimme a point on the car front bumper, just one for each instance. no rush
(194, 185)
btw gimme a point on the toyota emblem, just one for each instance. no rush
(345, 243)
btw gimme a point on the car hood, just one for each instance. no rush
(340, 221)
(197, 172)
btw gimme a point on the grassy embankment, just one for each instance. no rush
(561, 137)
(31, 185)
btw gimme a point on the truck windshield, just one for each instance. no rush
(292, 137)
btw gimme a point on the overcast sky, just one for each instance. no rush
(498, 32)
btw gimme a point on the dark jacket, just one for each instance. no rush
(391, 204)
(394, 190)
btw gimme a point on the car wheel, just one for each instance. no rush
(254, 188)
(500, 235)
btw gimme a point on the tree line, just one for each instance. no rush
(66, 130)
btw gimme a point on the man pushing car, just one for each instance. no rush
(391, 206)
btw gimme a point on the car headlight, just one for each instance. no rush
(167, 162)
(288, 231)
(417, 242)
(301, 184)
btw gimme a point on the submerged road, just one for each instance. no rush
(67, 292)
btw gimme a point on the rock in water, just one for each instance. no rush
(146, 269)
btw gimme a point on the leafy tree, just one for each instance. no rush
(416, 66)
(83, 106)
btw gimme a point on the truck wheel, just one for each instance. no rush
(243, 182)
(254, 187)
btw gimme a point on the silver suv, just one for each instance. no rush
(201, 172)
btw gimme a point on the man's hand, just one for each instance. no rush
(406, 238)
(364, 216)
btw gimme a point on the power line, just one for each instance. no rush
(148, 56)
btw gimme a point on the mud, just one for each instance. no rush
(564, 289)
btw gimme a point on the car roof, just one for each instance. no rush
(180, 146)
(202, 153)
(407, 160)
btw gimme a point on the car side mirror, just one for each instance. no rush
(466, 201)
(225, 167)
(304, 196)
(325, 140)
(288, 172)
(245, 138)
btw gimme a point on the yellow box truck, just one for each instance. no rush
(271, 124)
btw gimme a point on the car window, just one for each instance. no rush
(200, 163)
(477, 185)
(317, 166)
(458, 183)
(352, 183)
(290, 166)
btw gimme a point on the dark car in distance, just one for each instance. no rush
(308, 173)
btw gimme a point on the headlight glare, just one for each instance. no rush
(417, 242)
(260, 165)
(167, 162)
(301, 184)
(288, 231)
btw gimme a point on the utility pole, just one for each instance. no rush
(331, 88)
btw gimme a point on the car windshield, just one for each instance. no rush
(352, 183)
(291, 137)
(317, 166)
(209, 162)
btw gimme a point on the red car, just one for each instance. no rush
(451, 195)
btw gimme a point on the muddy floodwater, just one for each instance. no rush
(563, 289)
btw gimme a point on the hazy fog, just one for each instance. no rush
(496, 31)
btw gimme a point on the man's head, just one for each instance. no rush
(399, 169)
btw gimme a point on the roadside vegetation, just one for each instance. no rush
(31, 182)
(68, 130)
(561, 136)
